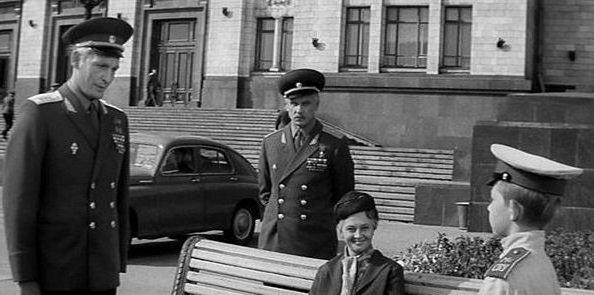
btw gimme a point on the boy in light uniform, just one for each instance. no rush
(525, 197)
(360, 269)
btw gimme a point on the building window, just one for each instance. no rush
(287, 43)
(406, 37)
(456, 45)
(356, 48)
(265, 44)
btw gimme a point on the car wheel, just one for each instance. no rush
(242, 226)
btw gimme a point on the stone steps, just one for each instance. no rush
(387, 173)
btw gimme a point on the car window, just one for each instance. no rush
(213, 161)
(143, 155)
(179, 160)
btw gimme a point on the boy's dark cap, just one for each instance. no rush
(353, 202)
(531, 171)
(106, 34)
(295, 82)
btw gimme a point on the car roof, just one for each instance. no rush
(172, 138)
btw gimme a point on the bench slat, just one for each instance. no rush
(233, 284)
(259, 253)
(278, 267)
(425, 290)
(206, 290)
(262, 276)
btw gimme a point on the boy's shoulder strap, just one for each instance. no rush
(503, 267)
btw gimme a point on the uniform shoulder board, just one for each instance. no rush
(272, 133)
(503, 267)
(111, 106)
(46, 98)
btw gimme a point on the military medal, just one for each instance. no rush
(74, 148)
(318, 164)
(119, 139)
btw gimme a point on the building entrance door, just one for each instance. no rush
(174, 58)
(5, 54)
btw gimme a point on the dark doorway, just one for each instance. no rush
(172, 55)
(5, 53)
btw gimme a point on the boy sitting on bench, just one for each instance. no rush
(360, 269)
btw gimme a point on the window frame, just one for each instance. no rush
(286, 45)
(459, 67)
(363, 27)
(384, 66)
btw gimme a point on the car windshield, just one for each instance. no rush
(144, 156)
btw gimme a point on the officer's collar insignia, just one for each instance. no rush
(112, 39)
(74, 148)
(503, 267)
(299, 85)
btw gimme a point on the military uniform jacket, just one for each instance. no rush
(300, 189)
(524, 268)
(383, 276)
(66, 194)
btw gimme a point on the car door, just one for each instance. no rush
(180, 196)
(220, 185)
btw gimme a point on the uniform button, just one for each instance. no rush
(112, 204)
(280, 201)
(273, 166)
(92, 205)
(303, 217)
(112, 223)
(93, 185)
(303, 202)
(92, 225)
(112, 185)
(281, 216)
(281, 186)
(304, 187)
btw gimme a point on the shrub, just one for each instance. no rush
(465, 256)
(572, 254)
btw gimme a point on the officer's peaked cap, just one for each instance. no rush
(353, 202)
(106, 34)
(531, 171)
(301, 80)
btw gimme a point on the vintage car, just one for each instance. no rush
(185, 184)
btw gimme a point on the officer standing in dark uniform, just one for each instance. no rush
(303, 172)
(66, 175)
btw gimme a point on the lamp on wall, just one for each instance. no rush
(500, 43)
(227, 12)
(315, 42)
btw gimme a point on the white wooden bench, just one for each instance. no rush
(210, 267)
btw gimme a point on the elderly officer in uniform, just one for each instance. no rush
(66, 175)
(525, 197)
(303, 172)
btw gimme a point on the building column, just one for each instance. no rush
(278, 31)
(122, 91)
(32, 44)
(375, 36)
(434, 37)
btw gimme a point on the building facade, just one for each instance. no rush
(410, 73)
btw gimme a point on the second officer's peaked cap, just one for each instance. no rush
(353, 202)
(531, 171)
(105, 34)
(301, 80)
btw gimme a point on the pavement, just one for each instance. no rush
(152, 263)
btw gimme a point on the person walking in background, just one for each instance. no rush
(8, 112)
(153, 90)
(66, 175)
(525, 197)
(303, 172)
(282, 119)
(360, 269)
